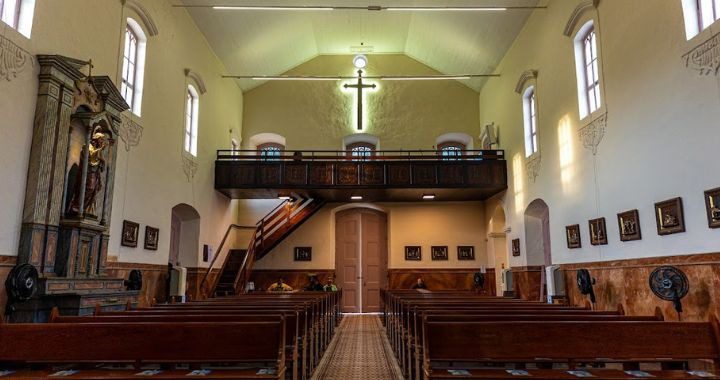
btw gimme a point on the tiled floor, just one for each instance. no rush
(359, 350)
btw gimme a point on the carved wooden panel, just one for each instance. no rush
(242, 175)
(451, 174)
(498, 172)
(295, 174)
(348, 173)
(269, 174)
(424, 174)
(398, 174)
(321, 173)
(372, 174)
(83, 256)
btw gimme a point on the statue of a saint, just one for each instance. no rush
(95, 169)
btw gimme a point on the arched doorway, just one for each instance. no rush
(537, 239)
(184, 236)
(497, 247)
(361, 258)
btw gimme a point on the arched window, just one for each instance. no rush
(530, 117)
(133, 71)
(18, 14)
(361, 150)
(588, 70)
(270, 151)
(192, 108)
(450, 150)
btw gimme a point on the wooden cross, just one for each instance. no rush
(360, 87)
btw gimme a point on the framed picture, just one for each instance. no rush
(466, 252)
(629, 225)
(129, 234)
(573, 236)
(413, 253)
(151, 238)
(712, 205)
(439, 252)
(303, 253)
(669, 216)
(598, 231)
(516, 247)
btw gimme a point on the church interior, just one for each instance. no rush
(336, 189)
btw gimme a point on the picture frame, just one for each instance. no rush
(516, 247)
(151, 238)
(465, 252)
(598, 231)
(572, 234)
(629, 225)
(669, 216)
(439, 252)
(303, 254)
(712, 205)
(130, 232)
(413, 253)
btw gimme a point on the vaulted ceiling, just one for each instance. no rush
(254, 42)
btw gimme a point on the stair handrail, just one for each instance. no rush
(244, 267)
(231, 227)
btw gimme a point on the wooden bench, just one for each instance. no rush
(569, 343)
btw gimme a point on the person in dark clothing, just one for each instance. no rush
(420, 284)
(314, 285)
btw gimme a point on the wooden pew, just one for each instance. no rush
(566, 342)
(146, 343)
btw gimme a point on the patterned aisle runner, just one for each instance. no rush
(359, 350)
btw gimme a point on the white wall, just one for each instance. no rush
(150, 178)
(661, 138)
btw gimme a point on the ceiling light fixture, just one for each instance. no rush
(356, 197)
(270, 8)
(444, 9)
(428, 197)
(371, 8)
(376, 77)
(284, 197)
(360, 61)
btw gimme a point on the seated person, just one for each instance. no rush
(420, 284)
(330, 286)
(280, 286)
(314, 285)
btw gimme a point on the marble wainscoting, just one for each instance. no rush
(626, 282)
(527, 282)
(154, 279)
(6, 264)
(441, 279)
(297, 278)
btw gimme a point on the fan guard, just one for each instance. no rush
(22, 282)
(135, 280)
(479, 280)
(670, 284)
(585, 283)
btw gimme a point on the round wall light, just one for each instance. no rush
(360, 61)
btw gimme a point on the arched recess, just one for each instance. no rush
(361, 138)
(197, 79)
(361, 258)
(264, 138)
(497, 246)
(143, 15)
(462, 138)
(184, 236)
(537, 233)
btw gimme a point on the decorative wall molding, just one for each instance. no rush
(199, 82)
(144, 16)
(592, 134)
(576, 15)
(532, 166)
(524, 78)
(496, 235)
(13, 59)
(705, 58)
(130, 131)
(190, 166)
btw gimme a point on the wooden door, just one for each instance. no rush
(347, 259)
(374, 259)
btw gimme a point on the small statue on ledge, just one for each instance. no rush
(95, 169)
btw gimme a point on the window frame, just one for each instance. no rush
(192, 117)
(588, 67)
(133, 31)
(15, 21)
(530, 118)
(130, 56)
(714, 16)
(265, 148)
(361, 150)
(458, 148)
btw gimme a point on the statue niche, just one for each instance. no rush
(84, 194)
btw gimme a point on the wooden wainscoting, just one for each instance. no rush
(297, 278)
(154, 279)
(6, 264)
(194, 281)
(626, 282)
(527, 282)
(440, 279)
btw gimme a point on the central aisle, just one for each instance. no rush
(359, 350)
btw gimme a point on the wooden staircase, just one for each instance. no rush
(270, 231)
